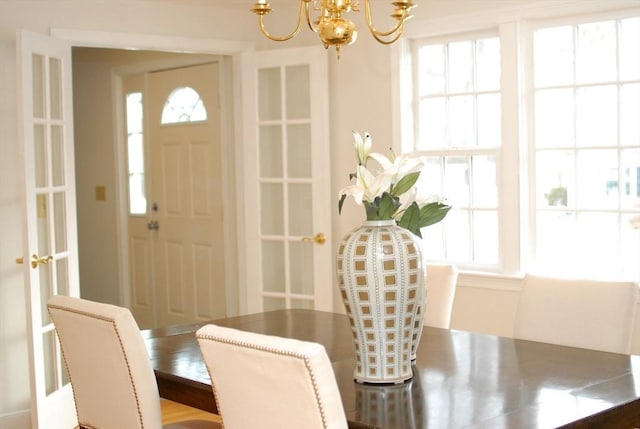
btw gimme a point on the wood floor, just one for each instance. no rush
(174, 412)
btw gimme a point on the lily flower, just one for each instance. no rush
(367, 186)
(393, 190)
(401, 166)
(362, 147)
(417, 195)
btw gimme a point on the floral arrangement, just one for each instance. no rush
(392, 191)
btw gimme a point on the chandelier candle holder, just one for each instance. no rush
(331, 25)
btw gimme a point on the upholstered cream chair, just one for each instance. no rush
(112, 379)
(441, 289)
(588, 314)
(268, 382)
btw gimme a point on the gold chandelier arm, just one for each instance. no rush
(387, 41)
(304, 4)
(380, 36)
(308, 13)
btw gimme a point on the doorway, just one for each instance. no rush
(179, 237)
(103, 209)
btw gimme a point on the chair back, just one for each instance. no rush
(588, 314)
(441, 289)
(108, 364)
(268, 382)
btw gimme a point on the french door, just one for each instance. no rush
(288, 260)
(50, 254)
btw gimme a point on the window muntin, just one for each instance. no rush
(458, 130)
(184, 104)
(135, 154)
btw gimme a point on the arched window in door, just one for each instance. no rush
(184, 104)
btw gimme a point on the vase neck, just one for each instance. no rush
(387, 222)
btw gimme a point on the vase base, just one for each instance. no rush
(382, 382)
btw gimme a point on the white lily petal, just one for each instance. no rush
(357, 138)
(366, 146)
(423, 199)
(357, 145)
(380, 184)
(406, 164)
(364, 177)
(384, 162)
(355, 191)
(408, 198)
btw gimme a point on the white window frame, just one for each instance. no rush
(531, 192)
(507, 155)
(515, 30)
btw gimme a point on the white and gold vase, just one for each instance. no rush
(381, 279)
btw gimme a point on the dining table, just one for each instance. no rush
(460, 379)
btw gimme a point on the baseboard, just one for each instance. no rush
(16, 420)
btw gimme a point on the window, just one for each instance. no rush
(586, 84)
(458, 130)
(568, 202)
(135, 155)
(183, 105)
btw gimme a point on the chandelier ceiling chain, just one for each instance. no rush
(332, 27)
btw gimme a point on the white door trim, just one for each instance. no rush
(231, 136)
(151, 42)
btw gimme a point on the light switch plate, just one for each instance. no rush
(101, 193)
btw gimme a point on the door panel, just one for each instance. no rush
(287, 189)
(50, 249)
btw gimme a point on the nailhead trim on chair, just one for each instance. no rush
(274, 351)
(124, 354)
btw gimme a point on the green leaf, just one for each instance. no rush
(371, 209)
(341, 203)
(388, 206)
(405, 184)
(410, 219)
(433, 213)
(410, 216)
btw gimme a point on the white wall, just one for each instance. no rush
(360, 99)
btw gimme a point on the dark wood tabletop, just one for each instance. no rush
(461, 379)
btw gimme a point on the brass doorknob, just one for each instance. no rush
(319, 238)
(36, 260)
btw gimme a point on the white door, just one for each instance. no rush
(50, 254)
(289, 261)
(186, 194)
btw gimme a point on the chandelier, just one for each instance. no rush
(330, 24)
